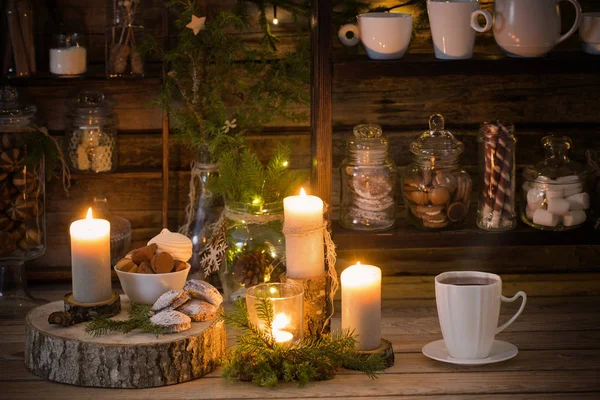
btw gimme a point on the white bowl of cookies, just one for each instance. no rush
(148, 272)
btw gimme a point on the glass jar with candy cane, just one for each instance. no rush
(496, 207)
(435, 188)
(555, 193)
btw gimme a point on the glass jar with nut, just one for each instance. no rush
(435, 188)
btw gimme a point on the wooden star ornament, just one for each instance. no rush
(196, 24)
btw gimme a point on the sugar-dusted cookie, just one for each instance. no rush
(198, 310)
(173, 320)
(171, 299)
(204, 291)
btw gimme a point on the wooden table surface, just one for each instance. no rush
(558, 337)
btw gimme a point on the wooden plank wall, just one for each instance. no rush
(538, 104)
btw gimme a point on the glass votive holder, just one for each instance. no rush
(287, 300)
(68, 56)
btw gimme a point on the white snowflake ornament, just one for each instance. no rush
(213, 253)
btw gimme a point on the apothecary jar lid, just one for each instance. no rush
(91, 107)
(12, 113)
(368, 137)
(437, 141)
(557, 164)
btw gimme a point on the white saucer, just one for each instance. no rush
(501, 351)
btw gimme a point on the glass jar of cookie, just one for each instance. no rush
(368, 182)
(435, 188)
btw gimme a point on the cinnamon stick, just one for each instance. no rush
(26, 22)
(16, 37)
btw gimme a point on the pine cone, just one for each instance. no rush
(249, 269)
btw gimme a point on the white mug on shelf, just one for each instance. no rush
(589, 32)
(453, 26)
(530, 28)
(386, 36)
(468, 305)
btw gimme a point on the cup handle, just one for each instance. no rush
(510, 300)
(578, 18)
(488, 20)
(349, 41)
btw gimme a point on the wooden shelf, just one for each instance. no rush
(404, 235)
(141, 173)
(360, 66)
(95, 73)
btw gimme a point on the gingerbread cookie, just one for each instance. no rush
(371, 187)
(374, 205)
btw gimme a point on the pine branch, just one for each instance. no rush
(138, 319)
(258, 358)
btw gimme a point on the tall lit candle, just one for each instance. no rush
(90, 259)
(304, 249)
(361, 304)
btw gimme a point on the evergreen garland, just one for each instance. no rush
(260, 359)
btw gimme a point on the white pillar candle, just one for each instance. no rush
(305, 254)
(361, 304)
(90, 259)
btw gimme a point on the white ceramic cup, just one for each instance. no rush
(453, 26)
(589, 32)
(386, 36)
(469, 311)
(530, 28)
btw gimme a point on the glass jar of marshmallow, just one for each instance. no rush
(68, 56)
(555, 196)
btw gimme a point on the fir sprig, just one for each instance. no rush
(260, 359)
(243, 178)
(138, 319)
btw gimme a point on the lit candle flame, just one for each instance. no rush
(281, 321)
(89, 214)
(302, 192)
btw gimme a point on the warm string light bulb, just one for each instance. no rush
(275, 20)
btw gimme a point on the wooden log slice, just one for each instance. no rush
(317, 304)
(136, 360)
(385, 350)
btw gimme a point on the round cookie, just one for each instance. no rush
(439, 196)
(446, 179)
(7, 194)
(417, 197)
(7, 244)
(22, 209)
(374, 205)
(25, 182)
(371, 187)
(8, 141)
(435, 224)
(457, 211)
(6, 224)
(463, 189)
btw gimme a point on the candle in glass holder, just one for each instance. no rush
(361, 304)
(90, 259)
(304, 248)
(287, 301)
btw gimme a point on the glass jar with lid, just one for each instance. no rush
(68, 56)
(368, 180)
(91, 135)
(435, 188)
(22, 216)
(555, 194)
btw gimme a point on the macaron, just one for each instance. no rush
(439, 196)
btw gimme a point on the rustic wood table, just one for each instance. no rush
(558, 336)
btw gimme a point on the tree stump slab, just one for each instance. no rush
(136, 360)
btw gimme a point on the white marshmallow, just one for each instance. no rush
(568, 179)
(529, 212)
(543, 217)
(555, 192)
(535, 198)
(579, 201)
(573, 218)
(558, 206)
(572, 188)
